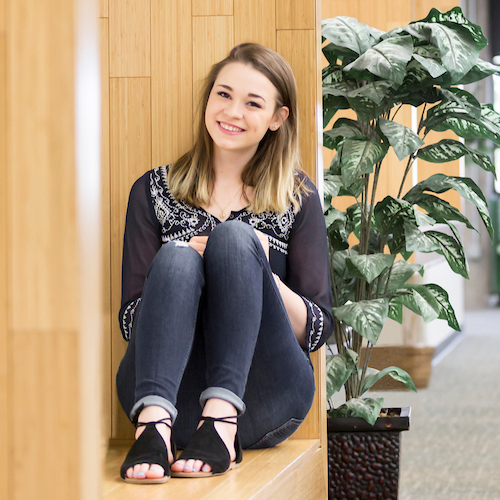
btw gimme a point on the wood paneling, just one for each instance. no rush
(212, 7)
(108, 314)
(130, 156)
(5, 469)
(213, 38)
(295, 15)
(255, 21)
(42, 232)
(171, 80)
(422, 7)
(332, 8)
(129, 37)
(298, 48)
(103, 8)
(45, 424)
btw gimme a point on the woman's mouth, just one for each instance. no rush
(229, 128)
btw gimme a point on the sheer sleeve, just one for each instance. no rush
(141, 241)
(308, 268)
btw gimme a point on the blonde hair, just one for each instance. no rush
(272, 170)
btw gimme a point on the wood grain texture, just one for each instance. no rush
(130, 157)
(171, 80)
(5, 468)
(298, 47)
(295, 15)
(213, 38)
(41, 236)
(103, 8)
(130, 38)
(332, 8)
(255, 21)
(212, 7)
(108, 314)
(422, 7)
(45, 432)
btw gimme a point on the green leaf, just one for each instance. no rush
(417, 240)
(396, 373)
(387, 59)
(451, 250)
(455, 16)
(338, 369)
(440, 210)
(465, 187)
(479, 71)
(433, 67)
(367, 408)
(367, 317)
(457, 47)
(373, 91)
(450, 150)
(401, 272)
(331, 104)
(348, 33)
(342, 128)
(369, 267)
(358, 157)
(401, 138)
(418, 299)
(390, 213)
(338, 261)
(447, 313)
(331, 186)
(396, 311)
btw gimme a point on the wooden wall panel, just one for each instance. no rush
(171, 80)
(130, 37)
(5, 468)
(42, 233)
(332, 8)
(130, 156)
(422, 7)
(213, 38)
(297, 46)
(103, 8)
(295, 15)
(212, 7)
(255, 21)
(109, 317)
(44, 426)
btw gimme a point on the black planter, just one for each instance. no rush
(363, 460)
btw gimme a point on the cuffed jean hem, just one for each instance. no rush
(153, 401)
(224, 394)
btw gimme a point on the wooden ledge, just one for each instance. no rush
(290, 470)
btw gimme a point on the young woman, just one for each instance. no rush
(225, 282)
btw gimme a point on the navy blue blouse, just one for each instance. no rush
(297, 246)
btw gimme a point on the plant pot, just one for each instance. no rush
(363, 460)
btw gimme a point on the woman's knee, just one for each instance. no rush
(176, 257)
(232, 236)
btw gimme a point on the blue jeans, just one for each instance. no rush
(217, 327)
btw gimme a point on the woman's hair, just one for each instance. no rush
(271, 171)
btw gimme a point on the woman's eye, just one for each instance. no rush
(223, 94)
(254, 104)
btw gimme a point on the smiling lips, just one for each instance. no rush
(229, 128)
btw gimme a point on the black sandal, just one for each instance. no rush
(206, 445)
(149, 448)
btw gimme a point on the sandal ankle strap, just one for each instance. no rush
(224, 420)
(161, 421)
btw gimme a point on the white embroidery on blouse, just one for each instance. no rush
(317, 324)
(128, 318)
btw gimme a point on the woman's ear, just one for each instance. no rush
(279, 117)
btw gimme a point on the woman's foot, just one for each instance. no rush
(213, 408)
(145, 470)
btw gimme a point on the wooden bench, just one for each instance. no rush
(295, 469)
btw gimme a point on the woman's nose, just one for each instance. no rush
(233, 109)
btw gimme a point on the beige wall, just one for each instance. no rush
(40, 254)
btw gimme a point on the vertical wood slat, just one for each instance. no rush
(212, 7)
(171, 80)
(130, 156)
(103, 8)
(42, 233)
(130, 38)
(5, 467)
(45, 427)
(332, 8)
(109, 317)
(213, 38)
(298, 48)
(295, 15)
(255, 22)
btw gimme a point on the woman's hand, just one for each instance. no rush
(264, 241)
(199, 243)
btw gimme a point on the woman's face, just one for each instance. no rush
(241, 108)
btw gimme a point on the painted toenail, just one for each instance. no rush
(140, 474)
(187, 467)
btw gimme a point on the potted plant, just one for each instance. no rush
(375, 74)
